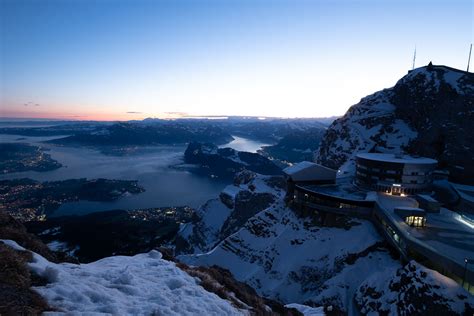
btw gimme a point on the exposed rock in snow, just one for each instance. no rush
(144, 284)
(413, 289)
(292, 260)
(219, 218)
(428, 112)
(225, 162)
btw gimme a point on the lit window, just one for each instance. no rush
(415, 221)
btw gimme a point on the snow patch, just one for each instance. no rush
(143, 284)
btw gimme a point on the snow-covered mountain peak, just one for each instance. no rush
(428, 112)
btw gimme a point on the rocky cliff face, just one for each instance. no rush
(295, 259)
(429, 112)
(219, 218)
(412, 289)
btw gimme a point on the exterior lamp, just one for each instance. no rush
(466, 262)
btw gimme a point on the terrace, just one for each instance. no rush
(444, 242)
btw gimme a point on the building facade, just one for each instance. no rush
(394, 174)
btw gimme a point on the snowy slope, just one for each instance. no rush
(428, 112)
(413, 289)
(292, 260)
(370, 124)
(218, 218)
(143, 284)
(295, 260)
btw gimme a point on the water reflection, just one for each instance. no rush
(245, 144)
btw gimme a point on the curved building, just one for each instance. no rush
(394, 174)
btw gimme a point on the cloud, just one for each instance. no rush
(31, 104)
(134, 112)
(180, 114)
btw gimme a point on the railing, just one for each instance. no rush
(363, 212)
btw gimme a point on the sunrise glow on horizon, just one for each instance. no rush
(129, 60)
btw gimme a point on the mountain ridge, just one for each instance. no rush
(427, 113)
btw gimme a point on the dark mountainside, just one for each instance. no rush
(226, 162)
(101, 234)
(296, 146)
(429, 112)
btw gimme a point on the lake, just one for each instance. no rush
(244, 144)
(152, 166)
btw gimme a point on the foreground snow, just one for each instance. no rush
(143, 284)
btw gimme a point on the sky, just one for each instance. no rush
(132, 59)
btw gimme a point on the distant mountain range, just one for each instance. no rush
(180, 131)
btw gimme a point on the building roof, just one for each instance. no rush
(309, 171)
(342, 189)
(408, 211)
(445, 232)
(426, 197)
(405, 159)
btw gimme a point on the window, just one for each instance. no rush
(415, 221)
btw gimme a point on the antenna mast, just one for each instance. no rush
(469, 60)
(414, 58)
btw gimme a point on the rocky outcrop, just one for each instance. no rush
(221, 282)
(413, 289)
(219, 218)
(428, 112)
(225, 162)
